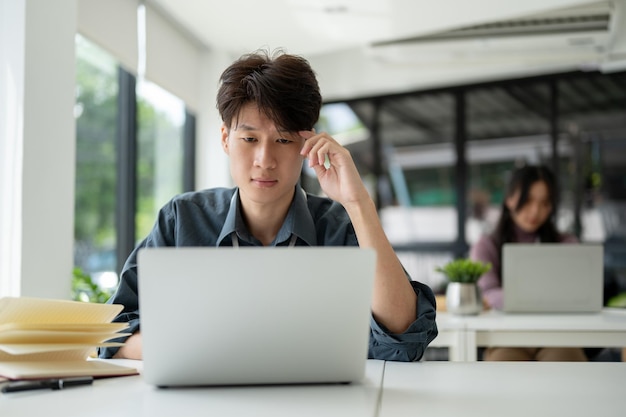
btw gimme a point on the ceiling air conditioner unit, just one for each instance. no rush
(577, 35)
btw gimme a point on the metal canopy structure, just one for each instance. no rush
(590, 103)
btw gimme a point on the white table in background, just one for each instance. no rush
(511, 389)
(131, 396)
(451, 335)
(462, 335)
(605, 329)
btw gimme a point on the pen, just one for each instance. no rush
(54, 384)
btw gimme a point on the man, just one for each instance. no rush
(269, 105)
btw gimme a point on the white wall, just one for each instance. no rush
(38, 196)
(11, 143)
(212, 169)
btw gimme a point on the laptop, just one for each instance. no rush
(552, 278)
(254, 315)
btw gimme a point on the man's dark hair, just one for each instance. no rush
(283, 86)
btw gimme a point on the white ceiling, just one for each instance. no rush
(354, 44)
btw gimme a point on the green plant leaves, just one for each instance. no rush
(84, 289)
(464, 270)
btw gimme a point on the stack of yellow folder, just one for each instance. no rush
(45, 338)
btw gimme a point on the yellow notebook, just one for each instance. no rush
(44, 338)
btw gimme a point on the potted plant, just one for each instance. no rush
(462, 293)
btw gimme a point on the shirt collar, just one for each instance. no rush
(230, 222)
(298, 221)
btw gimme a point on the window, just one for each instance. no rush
(160, 152)
(95, 198)
(111, 219)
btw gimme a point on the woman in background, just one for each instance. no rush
(527, 216)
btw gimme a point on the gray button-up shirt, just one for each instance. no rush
(212, 217)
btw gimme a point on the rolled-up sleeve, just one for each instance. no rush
(410, 345)
(127, 296)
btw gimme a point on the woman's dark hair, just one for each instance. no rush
(521, 181)
(283, 86)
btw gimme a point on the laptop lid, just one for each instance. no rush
(254, 315)
(552, 278)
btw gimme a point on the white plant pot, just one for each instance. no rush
(463, 299)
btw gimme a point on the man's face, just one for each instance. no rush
(265, 163)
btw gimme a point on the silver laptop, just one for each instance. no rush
(552, 278)
(225, 316)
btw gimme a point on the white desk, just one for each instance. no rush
(606, 329)
(131, 396)
(438, 389)
(510, 389)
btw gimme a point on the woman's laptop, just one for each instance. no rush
(225, 316)
(552, 278)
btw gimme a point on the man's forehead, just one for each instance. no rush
(251, 118)
(242, 125)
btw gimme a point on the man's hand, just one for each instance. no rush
(131, 349)
(334, 167)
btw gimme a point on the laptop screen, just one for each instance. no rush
(255, 315)
(552, 278)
